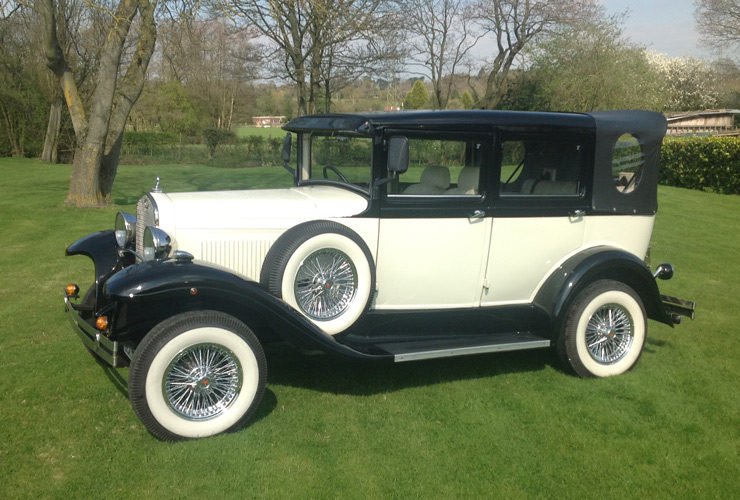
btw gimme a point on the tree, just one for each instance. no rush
(441, 37)
(418, 96)
(308, 35)
(689, 83)
(467, 100)
(718, 21)
(22, 104)
(99, 131)
(515, 24)
(214, 61)
(593, 67)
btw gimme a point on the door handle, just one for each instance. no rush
(477, 215)
(577, 214)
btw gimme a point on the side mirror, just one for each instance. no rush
(398, 155)
(285, 156)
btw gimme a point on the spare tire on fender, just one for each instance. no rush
(324, 270)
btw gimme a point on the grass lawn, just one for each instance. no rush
(510, 425)
(266, 132)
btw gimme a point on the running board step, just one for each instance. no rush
(418, 350)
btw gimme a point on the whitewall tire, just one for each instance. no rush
(197, 374)
(604, 330)
(325, 271)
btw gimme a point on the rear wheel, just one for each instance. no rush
(197, 374)
(604, 331)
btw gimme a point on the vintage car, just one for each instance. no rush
(406, 236)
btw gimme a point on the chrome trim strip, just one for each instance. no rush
(462, 351)
(105, 348)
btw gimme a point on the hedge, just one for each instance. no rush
(703, 163)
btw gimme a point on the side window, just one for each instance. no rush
(541, 166)
(627, 163)
(445, 167)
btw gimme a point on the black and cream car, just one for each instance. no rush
(406, 236)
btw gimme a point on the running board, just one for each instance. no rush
(414, 351)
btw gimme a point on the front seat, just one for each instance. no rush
(434, 180)
(467, 181)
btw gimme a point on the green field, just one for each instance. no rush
(508, 426)
(266, 132)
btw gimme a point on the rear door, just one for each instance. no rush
(539, 214)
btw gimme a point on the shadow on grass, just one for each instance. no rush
(326, 373)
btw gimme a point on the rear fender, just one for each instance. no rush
(595, 264)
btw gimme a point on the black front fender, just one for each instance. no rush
(594, 264)
(102, 248)
(150, 292)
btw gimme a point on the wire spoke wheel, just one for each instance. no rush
(325, 271)
(197, 374)
(604, 330)
(202, 381)
(609, 334)
(325, 284)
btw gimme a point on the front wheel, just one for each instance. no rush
(604, 330)
(197, 374)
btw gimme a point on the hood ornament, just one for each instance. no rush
(156, 188)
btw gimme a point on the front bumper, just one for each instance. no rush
(96, 342)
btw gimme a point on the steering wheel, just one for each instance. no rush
(336, 171)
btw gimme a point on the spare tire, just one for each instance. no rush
(324, 270)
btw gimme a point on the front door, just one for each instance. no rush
(434, 230)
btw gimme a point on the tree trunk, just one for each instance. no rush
(128, 92)
(99, 137)
(16, 145)
(52, 132)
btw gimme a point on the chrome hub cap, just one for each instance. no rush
(325, 284)
(202, 381)
(609, 334)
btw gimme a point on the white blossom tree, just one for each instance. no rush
(689, 83)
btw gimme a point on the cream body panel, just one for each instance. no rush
(430, 263)
(236, 229)
(517, 271)
(256, 209)
(523, 251)
(630, 233)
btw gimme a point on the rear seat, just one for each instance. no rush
(545, 187)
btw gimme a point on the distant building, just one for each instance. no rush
(268, 121)
(721, 122)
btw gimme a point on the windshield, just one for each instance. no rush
(337, 158)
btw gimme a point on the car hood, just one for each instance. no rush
(259, 208)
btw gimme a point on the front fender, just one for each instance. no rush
(150, 292)
(594, 264)
(102, 248)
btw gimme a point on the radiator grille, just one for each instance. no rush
(146, 215)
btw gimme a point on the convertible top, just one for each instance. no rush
(605, 122)
(606, 127)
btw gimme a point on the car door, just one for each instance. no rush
(434, 231)
(539, 214)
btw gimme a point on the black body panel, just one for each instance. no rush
(594, 264)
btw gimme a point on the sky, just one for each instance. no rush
(665, 26)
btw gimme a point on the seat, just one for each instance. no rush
(467, 181)
(434, 180)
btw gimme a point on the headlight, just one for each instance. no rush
(125, 228)
(157, 243)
